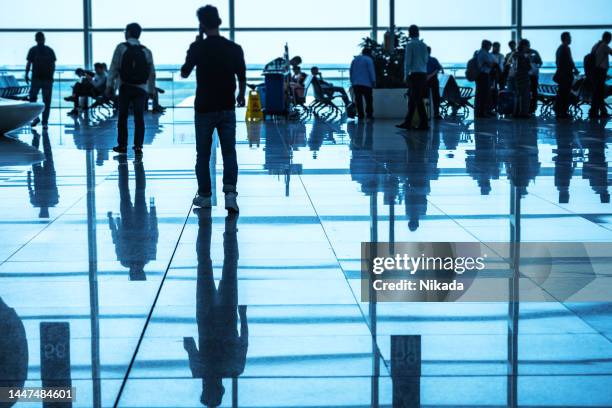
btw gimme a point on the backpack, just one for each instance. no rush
(134, 68)
(472, 71)
(589, 64)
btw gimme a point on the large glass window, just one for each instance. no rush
(168, 48)
(312, 13)
(314, 47)
(453, 13)
(68, 48)
(152, 13)
(559, 12)
(462, 50)
(547, 41)
(41, 14)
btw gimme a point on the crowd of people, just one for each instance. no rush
(504, 85)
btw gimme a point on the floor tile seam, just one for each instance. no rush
(150, 314)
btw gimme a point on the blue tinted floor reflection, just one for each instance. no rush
(222, 351)
(135, 233)
(155, 297)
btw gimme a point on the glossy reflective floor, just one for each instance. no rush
(111, 283)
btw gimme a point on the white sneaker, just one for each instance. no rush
(201, 201)
(231, 204)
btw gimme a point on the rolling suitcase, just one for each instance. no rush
(506, 102)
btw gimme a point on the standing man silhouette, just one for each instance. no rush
(218, 63)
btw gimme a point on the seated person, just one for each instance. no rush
(90, 84)
(328, 88)
(297, 84)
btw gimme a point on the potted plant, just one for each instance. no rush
(390, 93)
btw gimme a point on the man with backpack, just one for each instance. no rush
(132, 72)
(596, 67)
(41, 59)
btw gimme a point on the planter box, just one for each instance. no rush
(390, 103)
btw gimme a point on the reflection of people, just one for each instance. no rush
(135, 234)
(564, 167)
(221, 350)
(13, 351)
(595, 169)
(417, 182)
(43, 188)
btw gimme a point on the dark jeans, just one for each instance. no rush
(533, 89)
(434, 86)
(563, 98)
(523, 96)
(136, 97)
(47, 87)
(483, 91)
(417, 88)
(599, 91)
(363, 92)
(225, 124)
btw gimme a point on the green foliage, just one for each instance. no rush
(388, 61)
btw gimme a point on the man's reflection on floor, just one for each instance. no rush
(42, 180)
(135, 233)
(13, 351)
(222, 350)
(595, 169)
(421, 167)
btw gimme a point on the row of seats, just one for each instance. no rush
(11, 89)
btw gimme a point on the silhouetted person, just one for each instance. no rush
(522, 85)
(564, 76)
(135, 234)
(132, 72)
(43, 185)
(41, 60)
(219, 62)
(92, 84)
(328, 88)
(601, 52)
(507, 76)
(483, 82)
(433, 84)
(363, 79)
(221, 351)
(415, 74)
(496, 74)
(534, 77)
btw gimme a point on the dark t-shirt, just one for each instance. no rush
(219, 61)
(42, 59)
